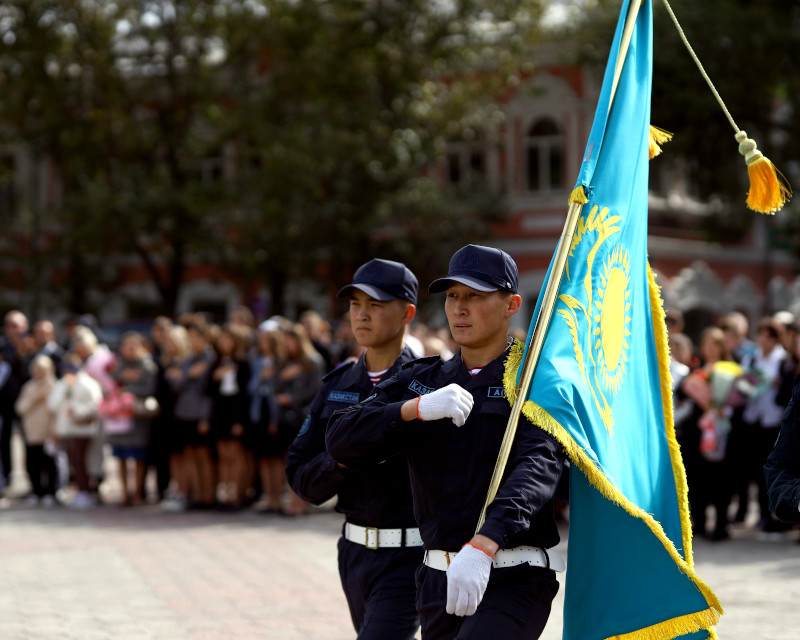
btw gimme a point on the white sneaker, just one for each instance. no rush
(82, 500)
(32, 501)
(174, 504)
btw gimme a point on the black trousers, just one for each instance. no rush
(516, 605)
(41, 471)
(7, 418)
(380, 591)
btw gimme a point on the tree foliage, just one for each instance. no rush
(273, 139)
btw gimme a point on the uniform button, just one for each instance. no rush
(393, 424)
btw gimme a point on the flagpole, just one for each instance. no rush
(627, 33)
(529, 364)
(550, 294)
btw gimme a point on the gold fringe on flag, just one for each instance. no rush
(657, 138)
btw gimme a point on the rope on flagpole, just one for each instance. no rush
(700, 66)
(769, 190)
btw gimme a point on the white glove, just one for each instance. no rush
(452, 401)
(467, 577)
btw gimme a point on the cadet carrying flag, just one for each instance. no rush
(602, 387)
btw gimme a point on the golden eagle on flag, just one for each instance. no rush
(601, 383)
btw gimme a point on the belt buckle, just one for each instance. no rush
(371, 541)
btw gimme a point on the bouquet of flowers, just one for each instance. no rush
(715, 423)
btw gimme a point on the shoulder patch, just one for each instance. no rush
(420, 389)
(348, 397)
(304, 428)
(342, 367)
(496, 392)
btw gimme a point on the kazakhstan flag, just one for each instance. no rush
(602, 385)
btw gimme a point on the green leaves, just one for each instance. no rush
(272, 139)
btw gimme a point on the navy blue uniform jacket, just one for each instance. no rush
(783, 465)
(451, 467)
(377, 495)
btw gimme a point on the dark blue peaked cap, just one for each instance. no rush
(383, 280)
(481, 268)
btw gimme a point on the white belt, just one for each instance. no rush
(534, 556)
(374, 538)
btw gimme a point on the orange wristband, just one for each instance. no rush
(479, 549)
(418, 416)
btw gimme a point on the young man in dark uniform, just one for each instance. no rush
(782, 470)
(381, 547)
(448, 418)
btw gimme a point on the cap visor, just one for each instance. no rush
(373, 292)
(437, 286)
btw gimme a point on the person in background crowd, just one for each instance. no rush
(192, 412)
(704, 433)
(377, 572)
(264, 415)
(762, 415)
(136, 374)
(243, 317)
(347, 347)
(298, 381)
(435, 346)
(74, 401)
(5, 376)
(736, 327)
(38, 425)
(158, 336)
(158, 450)
(230, 375)
(682, 350)
(674, 320)
(174, 433)
(97, 361)
(319, 332)
(784, 320)
(14, 351)
(44, 340)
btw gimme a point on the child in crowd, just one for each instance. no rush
(38, 425)
(230, 375)
(135, 373)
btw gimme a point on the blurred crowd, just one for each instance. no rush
(730, 393)
(197, 414)
(201, 415)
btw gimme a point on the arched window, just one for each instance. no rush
(466, 161)
(544, 155)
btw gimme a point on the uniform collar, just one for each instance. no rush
(495, 370)
(357, 374)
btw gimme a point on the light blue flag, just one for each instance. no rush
(602, 387)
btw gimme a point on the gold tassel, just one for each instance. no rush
(657, 138)
(578, 196)
(769, 190)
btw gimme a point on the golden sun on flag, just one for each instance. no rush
(611, 319)
(599, 326)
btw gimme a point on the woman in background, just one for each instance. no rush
(230, 375)
(74, 401)
(136, 374)
(298, 380)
